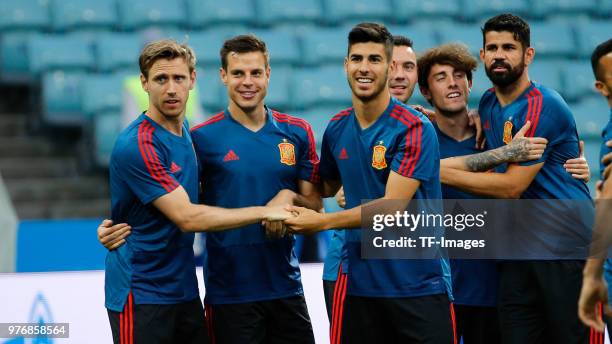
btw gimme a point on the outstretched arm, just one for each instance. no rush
(191, 217)
(308, 221)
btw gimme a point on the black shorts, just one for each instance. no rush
(328, 294)
(271, 321)
(477, 325)
(425, 319)
(538, 302)
(157, 324)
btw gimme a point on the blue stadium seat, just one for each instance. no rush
(24, 15)
(604, 8)
(483, 9)
(69, 52)
(136, 14)
(547, 73)
(404, 10)
(207, 44)
(115, 51)
(544, 8)
(591, 34)
(282, 45)
(320, 86)
(13, 56)
(468, 34)
(102, 92)
(81, 14)
(336, 11)
(553, 38)
(579, 80)
(423, 36)
(324, 45)
(591, 115)
(212, 92)
(202, 13)
(319, 117)
(272, 12)
(279, 89)
(61, 98)
(107, 126)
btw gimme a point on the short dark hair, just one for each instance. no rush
(603, 49)
(371, 32)
(243, 44)
(511, 23)
(453, 54)
(402, 41)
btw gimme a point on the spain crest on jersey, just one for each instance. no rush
(507, 132)
(378, 156)
(287, 152)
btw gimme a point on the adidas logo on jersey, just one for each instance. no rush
(343, 154)
(230, 156)
(174, 167)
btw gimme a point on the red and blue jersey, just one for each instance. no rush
(564, 226)
(401, 140)
(157, 263)
(242, 168)
(550, 118)
(474, 281)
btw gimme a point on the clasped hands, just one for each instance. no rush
(282, 218)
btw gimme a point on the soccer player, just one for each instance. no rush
(537, 299)
(403, 76)
(253, 155)
(150, 283)
(445, 80)
(402, 80)
(387, 300)
(595, 290)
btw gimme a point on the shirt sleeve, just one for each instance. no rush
(552, 119)
(328, 167)
(418, 152)
(145, 169)
(308, 163)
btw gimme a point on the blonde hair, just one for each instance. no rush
(165, 49)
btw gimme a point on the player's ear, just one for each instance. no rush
(223, 75)
(143, 83)
(470, 84)
(193, 79)
(529, 55)
(346, 65)
(602, 89)
(482, 54)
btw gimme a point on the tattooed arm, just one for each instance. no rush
(518, 150)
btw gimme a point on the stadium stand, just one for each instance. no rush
(207, 13)
(272, 12)
(83, 14)
(138, 14)
(337, 11)
(404, 10)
